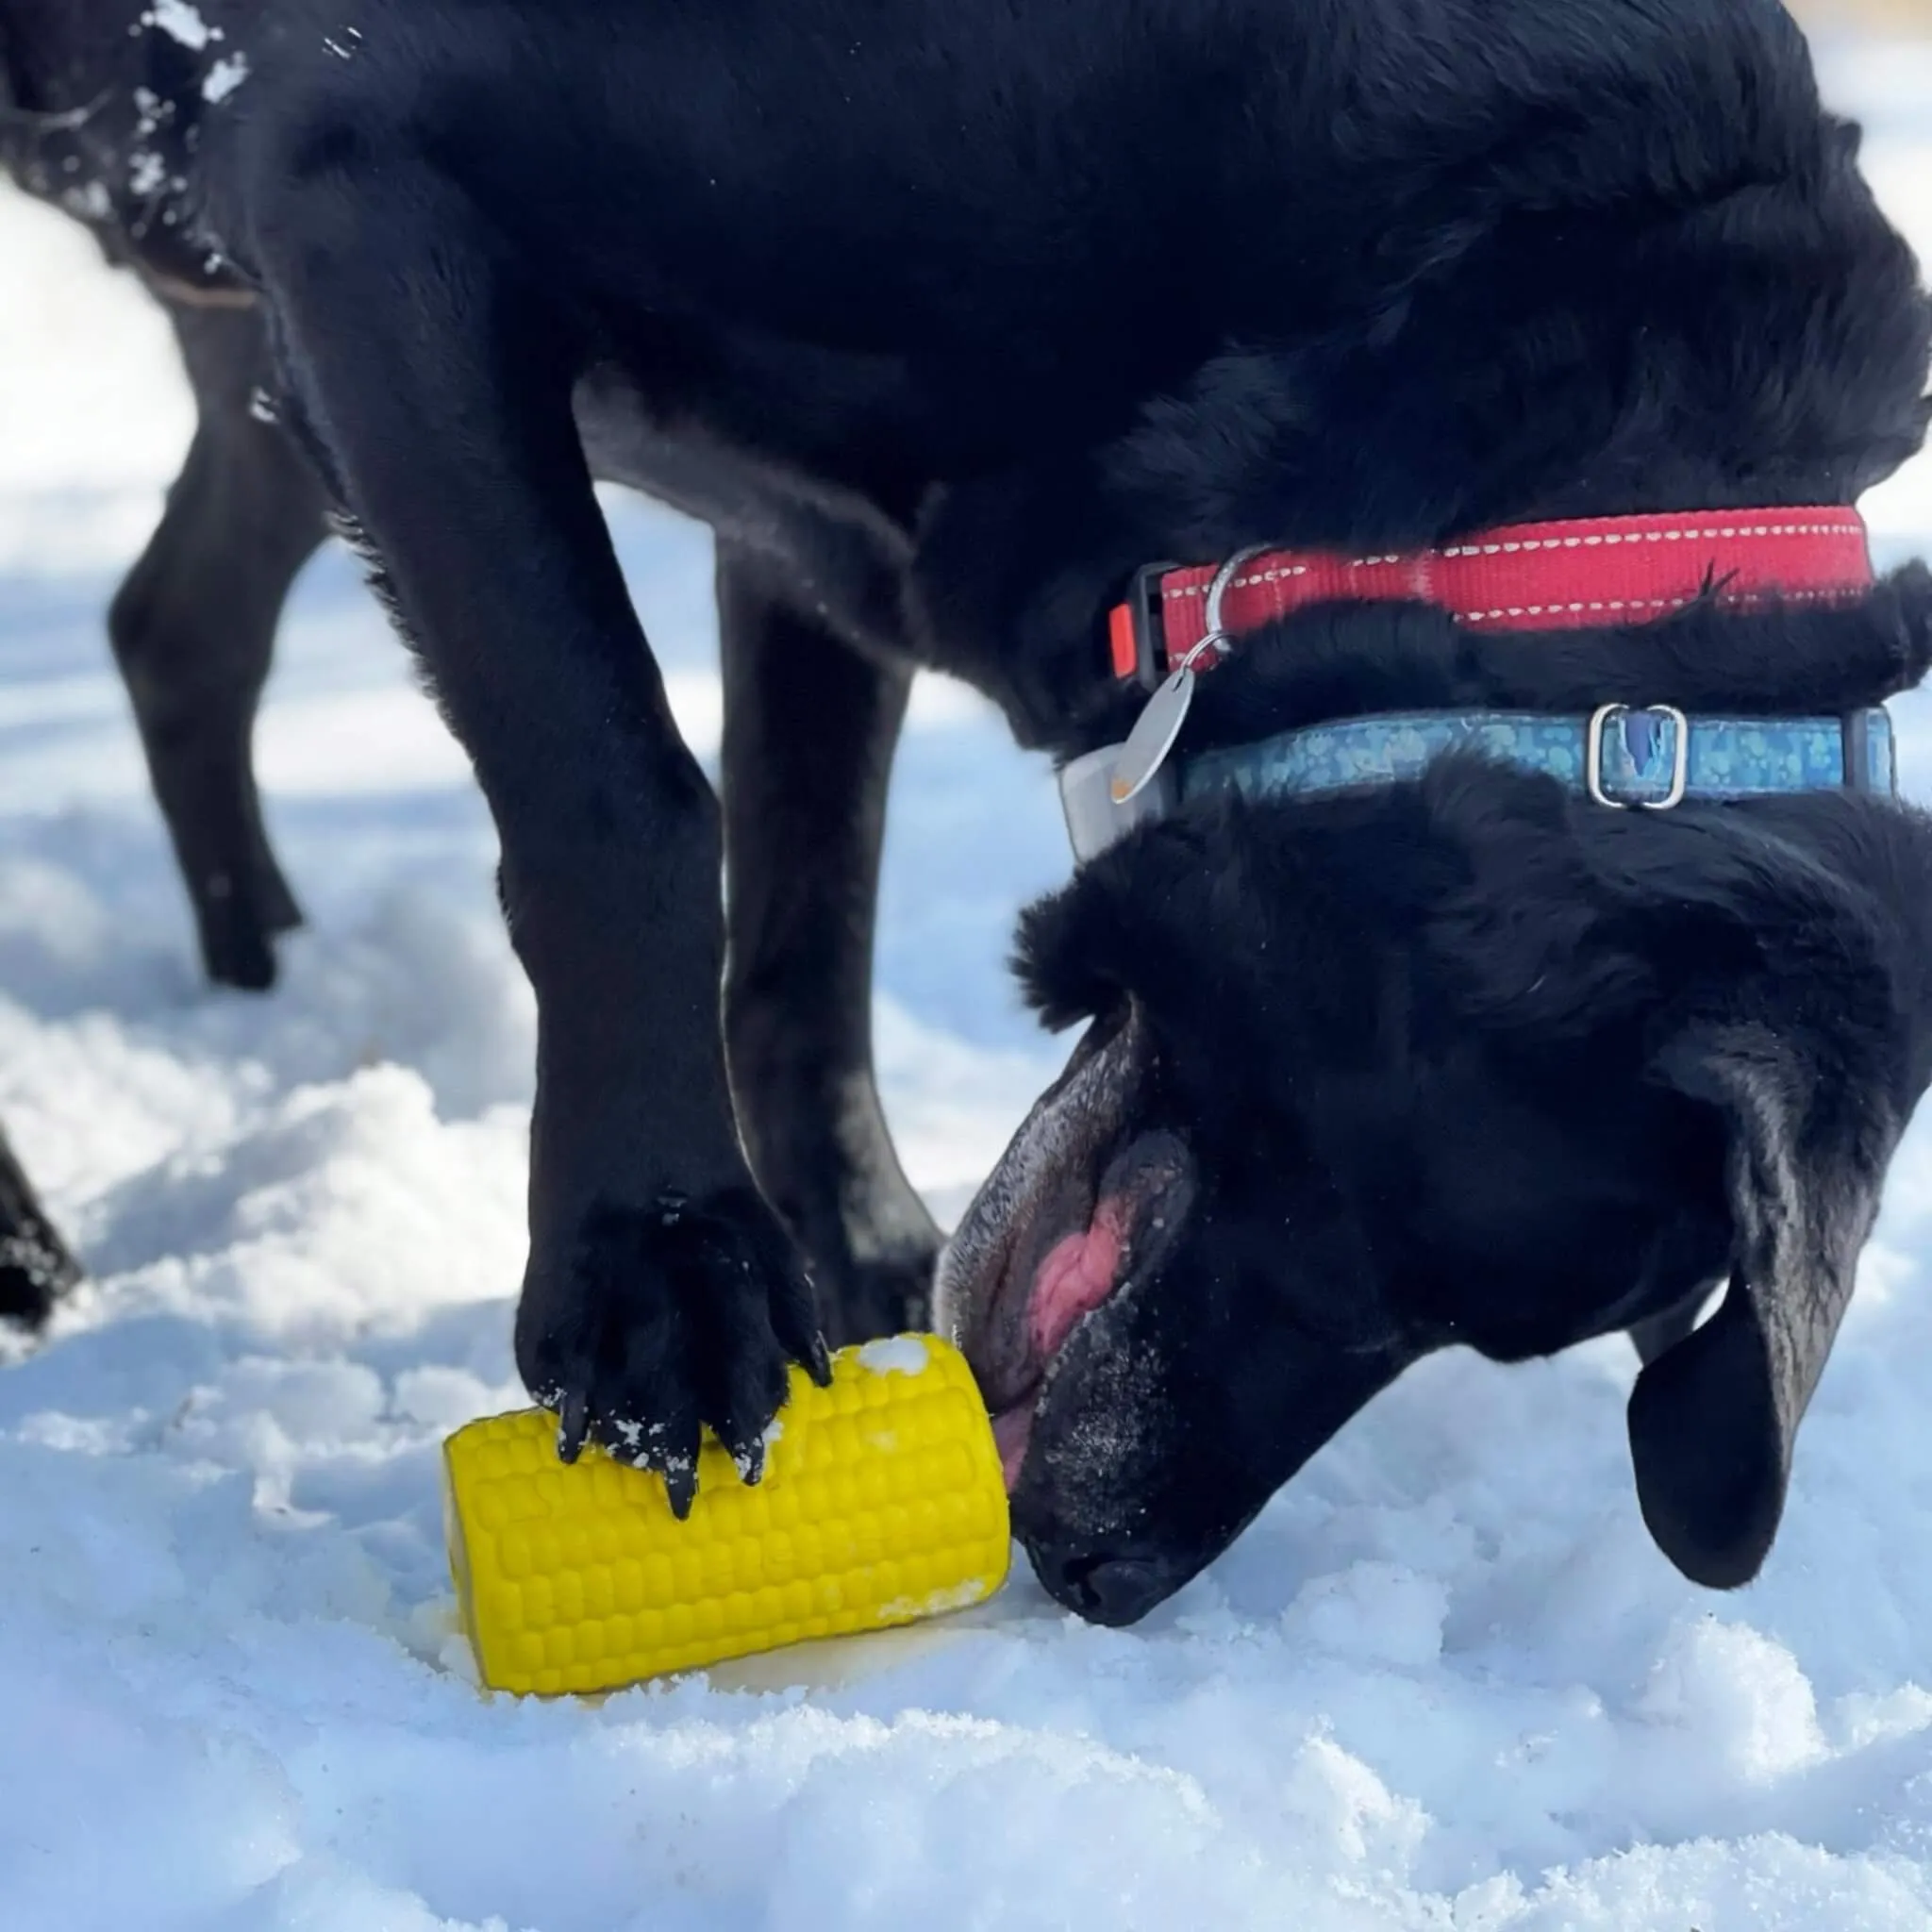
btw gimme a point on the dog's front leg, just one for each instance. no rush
(809, 731)
(435, 380)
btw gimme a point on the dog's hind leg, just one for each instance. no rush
(193, 629)
(35, 1269)
(809, 731)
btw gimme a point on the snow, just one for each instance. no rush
(224, 77)
(1445, 1682)
(897, 1355)
(146, 172)
(181, 22)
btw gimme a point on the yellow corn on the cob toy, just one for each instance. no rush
(882, 1503)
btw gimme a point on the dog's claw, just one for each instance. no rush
(818, 1364)
(573, 1426)
(795, 1322)
(681, 1485)
(746, 1449)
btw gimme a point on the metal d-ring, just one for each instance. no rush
(1217, 639)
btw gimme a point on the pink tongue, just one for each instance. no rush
(1074, 1280)
(1013, 1432)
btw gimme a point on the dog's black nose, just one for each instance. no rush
(1116, 1591)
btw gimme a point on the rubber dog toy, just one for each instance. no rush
(882, 1503)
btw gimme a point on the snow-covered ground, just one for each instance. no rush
(1445, 1682)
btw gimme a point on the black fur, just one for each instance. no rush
(35, 1267)
(948, 318)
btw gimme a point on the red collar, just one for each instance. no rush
(1607, 572)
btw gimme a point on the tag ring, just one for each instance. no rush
(1141, 759)
(1217, 639)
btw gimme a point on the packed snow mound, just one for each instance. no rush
(1445, 1682)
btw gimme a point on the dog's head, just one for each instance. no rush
(1454, 1063)
(1468, 1060)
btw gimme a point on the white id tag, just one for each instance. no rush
(1153, 736)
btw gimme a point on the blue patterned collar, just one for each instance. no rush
(1624, 758)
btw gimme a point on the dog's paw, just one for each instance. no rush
(665, 1318)
(35, 1274)
(890, 1294)
(239, 926)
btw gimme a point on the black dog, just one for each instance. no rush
(950, 321)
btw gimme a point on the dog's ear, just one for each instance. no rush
(1714, 1420)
